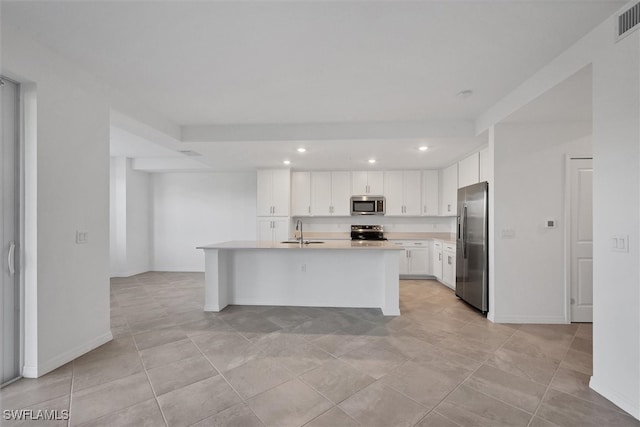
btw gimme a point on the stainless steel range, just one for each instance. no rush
(367, 232)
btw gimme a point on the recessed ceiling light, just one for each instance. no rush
(287, 162)
(372, 161)
(464, 94)
(301, 150)
(423, 148)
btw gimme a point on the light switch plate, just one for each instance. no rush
(508, 233)
(82, 237)
(620, 243)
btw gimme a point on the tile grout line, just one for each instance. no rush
(465, 380)
(555, 372)
(144, 368)
(225, 379)
(73, 374)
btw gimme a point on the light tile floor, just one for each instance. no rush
(439, 364)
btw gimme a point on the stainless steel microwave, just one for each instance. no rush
(367, 205)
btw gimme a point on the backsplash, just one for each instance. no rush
(391, 224)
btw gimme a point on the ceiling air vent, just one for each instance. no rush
(190, 153)
(628, 21)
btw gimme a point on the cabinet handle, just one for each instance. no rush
(448, 208)
(309, 209)
(440, 257)
(449, 259)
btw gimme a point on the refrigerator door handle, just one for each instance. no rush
(464, 232)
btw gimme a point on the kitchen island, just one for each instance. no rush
(338, 273)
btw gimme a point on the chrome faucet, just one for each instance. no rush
(299, 224)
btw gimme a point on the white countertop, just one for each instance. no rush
(328, 244)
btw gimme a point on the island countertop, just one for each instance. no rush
(328, 244)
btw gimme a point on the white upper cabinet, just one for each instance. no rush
(469, 170)
(330, 193)
(484, 165)
(300, 193)
(321, 193)
(412, 192)
(367, 183)
(449, 193)
(402, 191)
(341, 193)
(430, 193)
(274, 192)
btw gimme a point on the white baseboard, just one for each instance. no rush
(529, 319)
(178, 270)
(66, 357)
(628, 405)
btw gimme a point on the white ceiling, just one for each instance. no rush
(211, 63)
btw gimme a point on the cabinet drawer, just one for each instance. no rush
(451, 247)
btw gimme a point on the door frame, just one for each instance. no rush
(567, 232)
(19, 207)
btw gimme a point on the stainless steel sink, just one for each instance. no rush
(306, 242)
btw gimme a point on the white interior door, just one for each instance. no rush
(9, 211)
(581, 273)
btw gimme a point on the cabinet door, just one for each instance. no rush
(376, 183)
(449, 190)
(300, 194)
(437, 262)
(449, 269)
(393, 192)
(412, 192)
(469, 170)
(320, 193)
(420, 261)
(359, 183)
(430, 193)
(264, 207)
(281, 192)
(265, 229)
(280, 229)
(341, 193)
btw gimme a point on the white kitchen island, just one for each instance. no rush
(338, 273)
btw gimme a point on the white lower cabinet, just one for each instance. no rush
(437, 259)
(449, 265)
(273, 229)
(416, 258)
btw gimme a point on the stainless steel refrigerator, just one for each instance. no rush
(472, 260)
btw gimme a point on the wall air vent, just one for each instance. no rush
(190, 153)
(628, 21)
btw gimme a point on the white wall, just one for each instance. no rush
(529, 187)
(193, 209)
(139, 221)
(67, 172)
(130, 219)
(616, 152)
(66, 146)
(616, 313)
